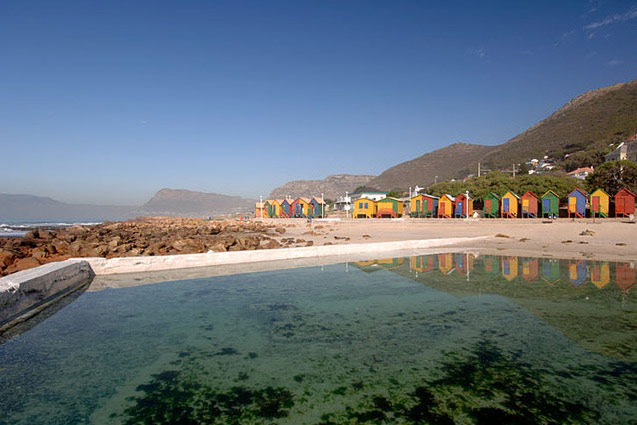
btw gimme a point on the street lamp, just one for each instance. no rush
(322, 207)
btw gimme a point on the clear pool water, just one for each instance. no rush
(441, 339)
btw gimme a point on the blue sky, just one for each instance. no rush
(110, 101)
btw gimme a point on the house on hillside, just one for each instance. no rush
(626, 151)
(581, 173)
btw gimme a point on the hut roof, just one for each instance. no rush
(389, 198)
(551, 192)
(493, 195)
(532, 194)
(509, 192)
(280, 201)
(306, 200)
(600, 190)
(624, 189)
(577, 189)
(318, 200)
(451, 198)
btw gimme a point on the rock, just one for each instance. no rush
(23, 264)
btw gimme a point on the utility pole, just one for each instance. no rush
(467, 202)
(261, 206)
(436, 180)
(478, 169)
(513, 170)
(322, 207)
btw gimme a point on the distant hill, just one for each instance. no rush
(576, 135)
(586, 124)
(32, 208)
(331, 187)
(446, 163)
(194, 204)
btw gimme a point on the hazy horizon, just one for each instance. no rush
(108, 103)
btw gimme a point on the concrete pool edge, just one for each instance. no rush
(120, 265)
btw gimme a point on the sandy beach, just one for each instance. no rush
(609, 239)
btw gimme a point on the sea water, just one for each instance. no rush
(441, 339)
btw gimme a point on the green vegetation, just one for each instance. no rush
(613, 176)
(500, 183)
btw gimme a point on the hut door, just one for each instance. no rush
(547, 206)
(621, 205)
(596, 204)
(487, 206)
(572, 204)
(505, 204)
(525, 205)
(418, 205)
(459, 209)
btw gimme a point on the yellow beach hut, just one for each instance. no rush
(445, 263)
(600, 201)
(445, 206)
(509, 205)
(258, 211)
(364, 208)
(600, 274)
(510, 268)
(275, 208)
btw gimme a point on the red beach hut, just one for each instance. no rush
(530, 203)
(625, 276)
(624, 203)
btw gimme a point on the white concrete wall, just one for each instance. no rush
(103, 266)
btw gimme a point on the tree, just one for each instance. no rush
(612, 176)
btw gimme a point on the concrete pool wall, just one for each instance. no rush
(24, 293)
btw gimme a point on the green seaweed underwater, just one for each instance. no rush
(482, 386)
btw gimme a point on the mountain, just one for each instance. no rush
(194, 204)
(576, 135)
(331, 187)
(40, 209)
(444, 163)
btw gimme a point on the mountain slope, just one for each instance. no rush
(191, 203)
(331, 187)
(37, 208)
(578, 134)
(445, 163)
(590, 121)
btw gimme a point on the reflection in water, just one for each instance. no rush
(453, 338)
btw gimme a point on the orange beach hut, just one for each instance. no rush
(530, 205)
(445, 206)
(509, 205)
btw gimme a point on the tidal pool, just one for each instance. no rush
(437, 339)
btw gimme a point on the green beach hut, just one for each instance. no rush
(550, 205)
(491, 205)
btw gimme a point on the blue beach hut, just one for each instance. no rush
(577, 273)
(577, 200)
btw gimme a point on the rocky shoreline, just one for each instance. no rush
(146, 236)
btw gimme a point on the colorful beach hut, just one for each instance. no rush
(286, 208)
(317, 207)
(550, 205)
(510, 268)
(463, 263)
(445, 206)
(389, 208)
(600, 203)
(577, 200)
(258, 210)
(577, 272)
(530, 205)
(530, 269)
(267, 207)
(445, 263)
(463, 206)
(422, 263)
(510, 205)
(624, 203)
(491, 205)
(550, 271)
(625, 276)
(424, 206)
(275, 208)
(364, 208)
(600, 274)
(301, 207)
(491, 265)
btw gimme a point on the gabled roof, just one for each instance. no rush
(451, 198)
(289, 201)
(550, 191)
(267, 201)
(365, 200)
(280, 201)
(318, 200)
(306, 200)
(259, 204)
(577, 189)
(581, 170)
(512, 193)
(492, 195)
(532, 194)
(624, 189)
(389, 198)
(599, 189)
